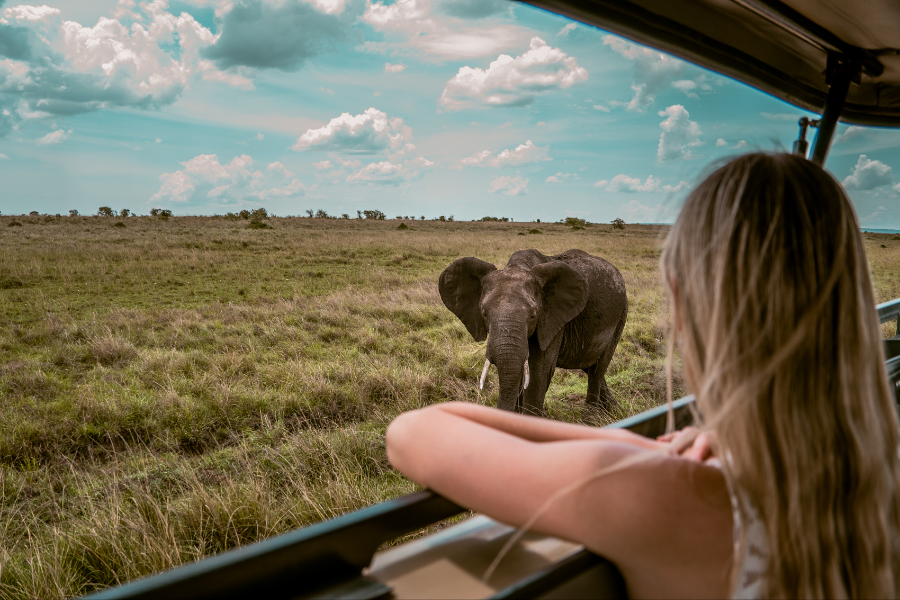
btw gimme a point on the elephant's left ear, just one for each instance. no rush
(565, 294)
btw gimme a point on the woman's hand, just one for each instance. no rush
(690, 443)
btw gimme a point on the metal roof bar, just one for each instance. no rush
(840, 72)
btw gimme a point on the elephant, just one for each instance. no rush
(538, 313)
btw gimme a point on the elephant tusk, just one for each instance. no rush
(527, 375)
(487, 365)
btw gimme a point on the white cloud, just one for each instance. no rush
(323, 165)
(388, 173)
(325, 90)
(260, 137)
(780, 117)
(441, 30)
(328, 6)
(679, 135)
(513, 81)
(231, 78)
(601, 108)
(158, 140)
(741, 144)
(635, 212)
(204, 178)
(868, 175)
(522, 154)
(720, 142)
(3, 156)
(626, 183)
(27, 13)
(394, 68)
(849, 133)
(654, 72)
(54, 137)
(560, 177)
(367, 133)
(565, 31)
(510, 186)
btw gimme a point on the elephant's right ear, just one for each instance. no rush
(460, 287)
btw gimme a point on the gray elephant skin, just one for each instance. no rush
(538, 313)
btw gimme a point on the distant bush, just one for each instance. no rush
(13, 224)
(105, 211)
(124, 213)
(34, 213)
(442, 218)
(345, 216)
(402, 226)
(498, 219)
(618, 223)
(422, 218)
(259, 225)
(161, 213)
(259, 214)
(233, 216)
(534, 231)
(321, 214)
(575, 222)
(73, 213)
(119, 224)
(374, 214)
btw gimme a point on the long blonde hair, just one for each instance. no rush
(780, 344)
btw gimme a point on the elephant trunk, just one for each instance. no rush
(508, 350)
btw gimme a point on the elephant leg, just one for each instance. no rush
(542, 365)
(600, 399)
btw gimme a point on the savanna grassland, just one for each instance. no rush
(172, 388)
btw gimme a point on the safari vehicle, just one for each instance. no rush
(837, 59)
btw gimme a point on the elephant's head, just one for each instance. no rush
(512, 305)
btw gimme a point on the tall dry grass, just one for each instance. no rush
(172, 389)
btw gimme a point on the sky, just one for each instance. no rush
(468, 108)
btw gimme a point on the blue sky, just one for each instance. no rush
(414, 107)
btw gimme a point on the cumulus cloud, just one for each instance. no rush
(780, 117)
(522, 154)
(508, 185)
(849, 133)
(3, 156)
(277, 35)
(389, 173)
(142, 58)
(442, 29)
(679, 135)
(626, 183)
(54, 137)
(367, 133)
(868, 175)
(741, 144)
(512, 81)
(655, 72)
(560, 177)
(720, 142)
(204, 178)
(323, 165)
(600, 107)
(394, 68)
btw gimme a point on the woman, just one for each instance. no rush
(791, 488)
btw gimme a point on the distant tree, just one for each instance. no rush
(422, 218)
(538, 221)
(374, 214)
(161, 213)
(399, 217)
(259, 214)
(321, 214)
(34, 213)
(124, 213)
(345, 216)
(244, 214)
(442, 218)
(309, 213)
(359, 214)
(73, 213)
(450, 218)
(105, 211)
(618, 223)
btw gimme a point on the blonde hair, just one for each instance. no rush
(780, 343)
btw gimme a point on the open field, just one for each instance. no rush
(174, 388)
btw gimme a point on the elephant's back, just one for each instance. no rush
(603, 277)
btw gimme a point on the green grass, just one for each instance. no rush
(172, 389)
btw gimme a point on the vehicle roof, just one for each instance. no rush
(779, 47)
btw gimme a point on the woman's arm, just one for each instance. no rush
(536, 429)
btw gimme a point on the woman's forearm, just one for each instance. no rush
(536, 429)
